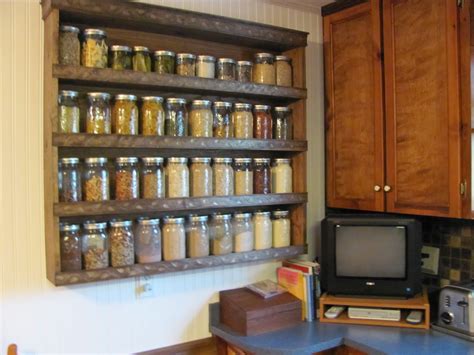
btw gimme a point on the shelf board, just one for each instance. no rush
(129, 79)
(344, 319)
(162, 267)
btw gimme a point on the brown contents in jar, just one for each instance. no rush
(96, 258)
(121, 247)
(263, 125)
(262, 177)
(71, 251)
(96, 189)
(126, 185)
(153, 186)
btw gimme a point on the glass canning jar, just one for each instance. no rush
(223, 119)
(98, 113)
(242, 119)
(69, 45)
(243, 228)
(243, 172)
(262, 128)
(71, 247)
(95, 182)
(125, 115)
(244, 71)
(281, 229)
(94, 48)
(176, 121)
(223, 177)
(261, 176)
(221, 234)
(264, 69)
(282, 175)
(95, 246)
(152, 116)
(126, 178)
(283, 123)
(147, 241)
(263, 230)
(152, 178)
(284, 72)
(69, 180)
(120, 57)
(198, 237)
(141, 60)
(177, 177)
(200, 119)
(68, 112)
(174, 239)
(201, 177)
(226, 69)
(164, 62)
(206, 66)
(122, 244)
(185, 64)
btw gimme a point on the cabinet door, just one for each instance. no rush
(354, 108)
(422, 107)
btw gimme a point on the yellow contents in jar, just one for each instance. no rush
(94, 53)
(264, 74)
(153, 118)
(283, 73)
(69, 118)
(243, 124)
(125, 117)
(200, 122)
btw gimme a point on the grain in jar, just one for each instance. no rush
(223, 119)
(242, 121)
(263, 71)
(69, 45)
(164, 62)
(120, 57)
(206, 66)
(126, 178)
(281, 229)
(283, 123)
(243, 227)
(141, 60)
(201, 177)
(221, 234)
(174, 239)
(69, 180)
(177, 177)
(282, 176)
(94, 49)
(226, 69)
(223, 177)
(263, 230)
(68, 112)
(147, 235)
(95, 182)
(95, 246)
(152, 116)
(98, 119)
(152, 178)
(243, 172)
(244, 71)
(262, 176)
(197, 237)
(176, 118)
(122, 243)
(284, 72)
(71, 247)
(200, 119)
(263, 125)
(185, 64)
(125, 115)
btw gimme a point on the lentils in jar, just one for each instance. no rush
(94, 49)
(120, 57)
(177, 178)
(95, 248)
(197, 240)
(223, 177)
(152, 116)
(71, 247)
(96, 180)
(147, 235)
(283, 123)
(243, 172)
(221, 234)
(98, 113)
(141, 60)
(176, 121)
(261, 176)
(223, 119)
(153, 178)
(282, 176)
(264, 69)
(69, 180)
(243, 232)
(201, 177)
(126, 178)
(226, 69)
(122, 244)
(174, 239)
(242, 119)
(200, 119)
(206, 66)
(68, 112)
(263, 230)
(69, 46)
(244, 71)
(125, 115)
(284, 73)
(185, 64)
(281, 229)
(262, 128)
(164, 62)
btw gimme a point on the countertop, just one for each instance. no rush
(308, 338)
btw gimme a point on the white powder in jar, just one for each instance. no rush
(177, 178)
(243, 232)
(201, 177)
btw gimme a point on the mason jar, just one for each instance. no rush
(95, 246)
(281, 229)
(283, 123)
(284, 71)
(122, 243)
(95, 182)
(125, 115)
(174, 239)
(69, 45)
(94, 48)
(263, 126)
(263, 230)
(201, 177)
(164, 62)
(226, 69)
(243, 172)
(126, 178)
(177, 177)
(242, 119)
(244, 71)
(223, 177)
(152, 178)
(243, 228)
(206, 66)
(185, 64)
(69, 117)
(176, 121)
(264, 69)
(69, 180)
(200, 119)
(120, 57)
(282, 176)
(223, 119)
(152, 116)
(262, 176)
(147, 241)
(197, 241)
(221, 234)
(98, 113)
(141, 60)
(71, 247)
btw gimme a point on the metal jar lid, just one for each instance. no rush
(242, 160)
(206, 58)
(141, 49)
(262, 160)
(68, 93)
(282, 161)
(120, 48)
(223, 160)
(173, 220)
(149, 222)
(99, 95)
(69, 161)
(69, 29)
(283, 58)
(152, 98)
(280, 213)
(262, 107)
(226, 104)
(206, 103)
(177, 160)
(126, 160)
(125, 97)
(198, 218)
(95, 225)
(94, 32)
(181, 56)
(201, 160)
(164, 53)
(243, 106)
(242, 215)
(262, 213)
(226, 61)
(152, 160)
(244, 63)
(221, 217)
(126, 223)
(282, 109)
(176, 100)
(66, 227)
(264, 55)
(100, 160)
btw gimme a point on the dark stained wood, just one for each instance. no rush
(165, 20)
(206, 346)
(78, 277)
(354, 108)
(339, 5)
(341, 350)
(422, 107)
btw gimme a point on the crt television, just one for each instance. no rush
(371, 255)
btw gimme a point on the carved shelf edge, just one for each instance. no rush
(78, 277)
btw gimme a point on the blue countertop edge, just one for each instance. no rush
(308, 338)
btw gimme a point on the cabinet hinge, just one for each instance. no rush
(460, 3)
(463, 188)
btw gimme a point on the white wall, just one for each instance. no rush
(106, 317)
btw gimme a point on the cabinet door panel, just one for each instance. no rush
(354, 118)
(422, 107)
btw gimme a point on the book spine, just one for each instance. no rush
(310, 297)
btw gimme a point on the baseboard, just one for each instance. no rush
(206, 346)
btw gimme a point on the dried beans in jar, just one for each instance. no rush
(71, 247)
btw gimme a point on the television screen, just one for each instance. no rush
(370, 251)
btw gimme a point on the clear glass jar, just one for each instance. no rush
(152, 116)
(264, 69)
(263, 126)
(201, 177)
(226, 69)
(71, 247)
(164, 62)
(243, 228)
(95, 182)
(283, 124)
(126, 178)
(242, 119)
(69, 117)
(223, 119)
(174, 239)
(206, 66)
(281, 229)
(198, 237)
(185, 64)
(94, 48)
(176, 121)
(153, 178)
(147, 241)
(141, 60)
(223, 177)
(282, 176)
(125, 115)
(95, 246)
(201, 119)
(243, 172)
(69, 180)
(98, 113)
(69, 45)
(244, 71)
(122, 244)
(284, 71)
(221, 234)
(120, 57)
(262, 176)
(263, 230)
(177, 177)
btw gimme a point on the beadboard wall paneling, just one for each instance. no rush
(107, 317)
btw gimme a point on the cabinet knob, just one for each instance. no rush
(387, 188)
(377, 188)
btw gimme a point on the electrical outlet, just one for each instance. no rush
(143, 287)
(430, 260)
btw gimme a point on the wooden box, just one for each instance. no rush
(249, 314)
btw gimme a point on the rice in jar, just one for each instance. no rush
(264, 69)
(281, 229)
(201, 119)
(177, 178)
(221, 234)
(197, 240)
(223, 177)
(263, 230)
(147, 241)
(185, 64)
(174, 239)
(223, 119)
(282, 176)
(243, 172)
(284, 73)
(263, 126)
(152, 116)
(206, 66)
(201, 177)
(242, 119)
(152, 178)
(125, 115)
(243, 232)
(122, 244)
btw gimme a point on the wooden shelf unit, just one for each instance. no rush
(180, 31)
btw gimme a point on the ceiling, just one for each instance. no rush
(307, 5)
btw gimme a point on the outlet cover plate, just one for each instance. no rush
(431, 263)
